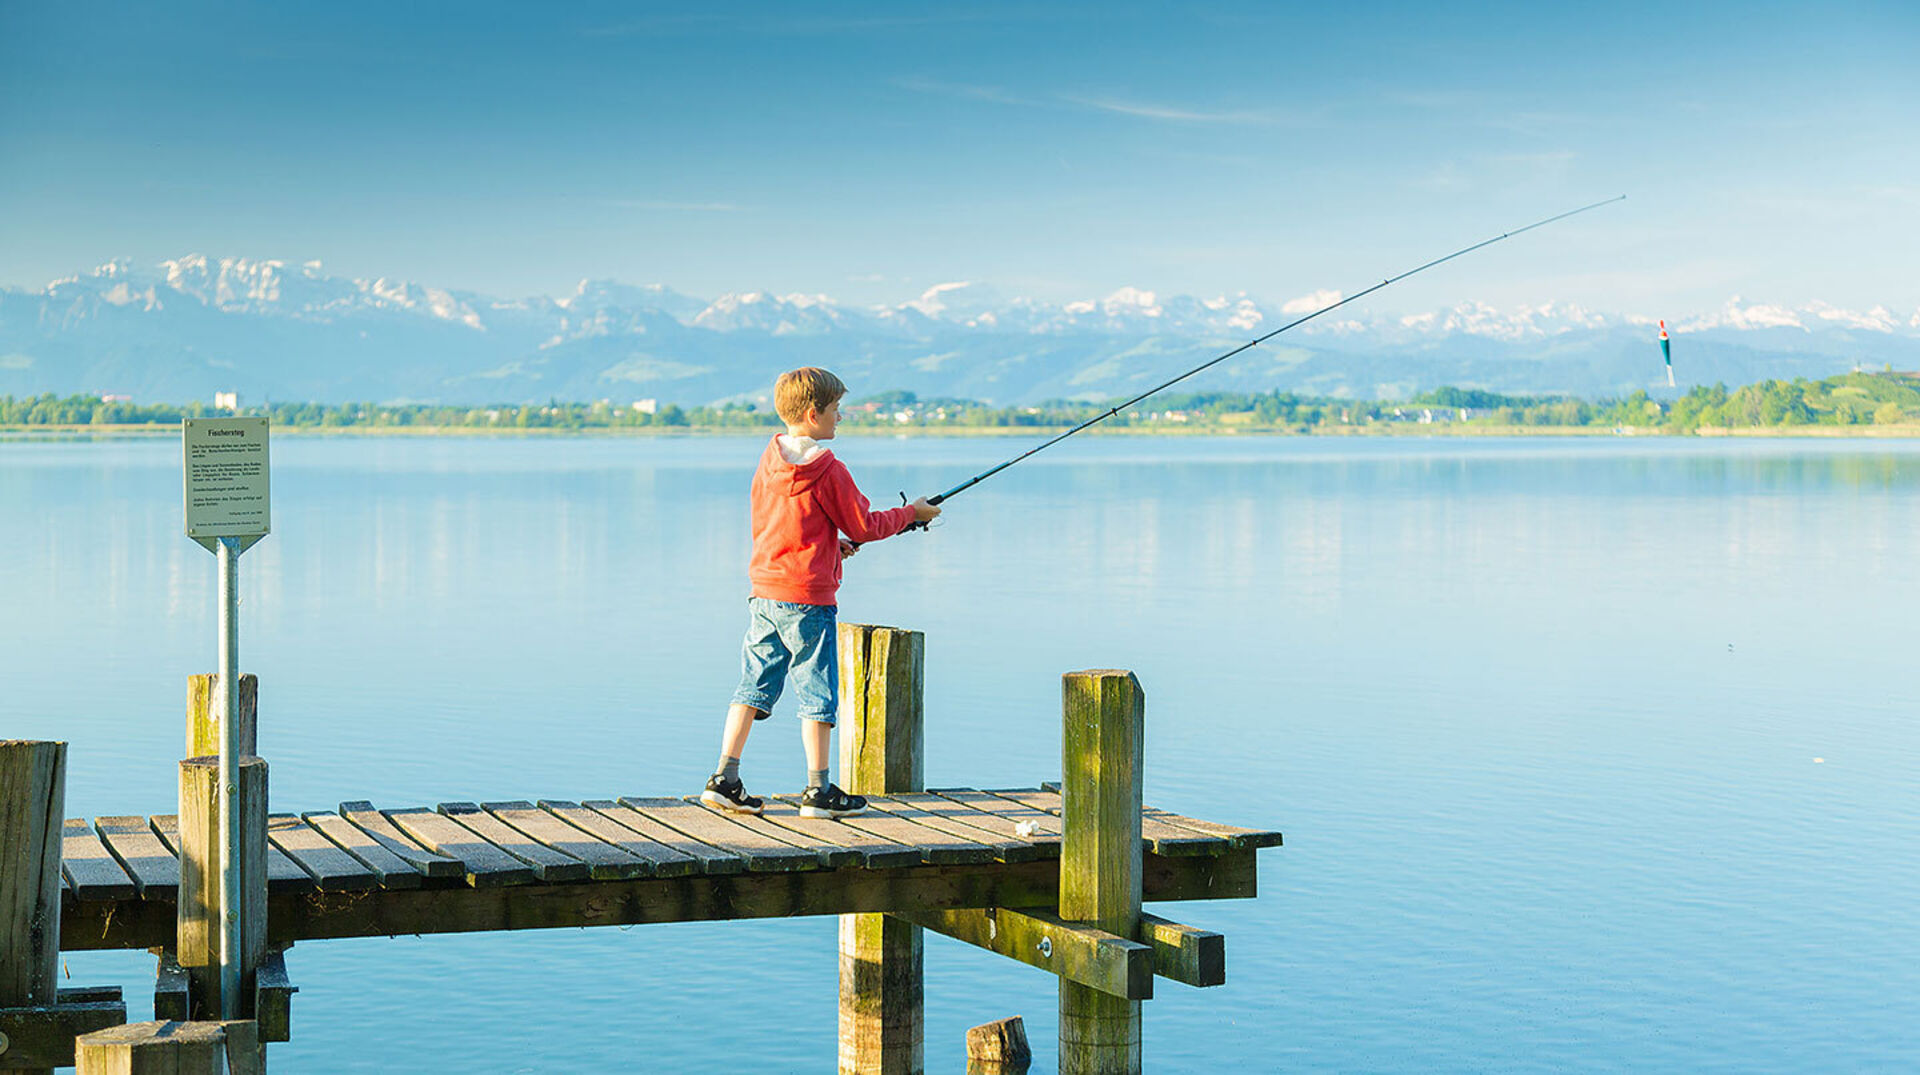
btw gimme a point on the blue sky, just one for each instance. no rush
(1055, 150)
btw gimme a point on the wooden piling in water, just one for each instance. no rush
(33, 782)
(999, 1048)
(1103, 718)
(882, 1029)
(198, 925)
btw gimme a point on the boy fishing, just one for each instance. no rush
(807, 516)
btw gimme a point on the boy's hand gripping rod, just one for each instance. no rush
(1110, 412)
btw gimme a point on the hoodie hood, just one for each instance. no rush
(791, 476)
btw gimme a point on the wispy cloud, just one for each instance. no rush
(1174, 114)
(1137, 109)
(652, 205)
(794, 26)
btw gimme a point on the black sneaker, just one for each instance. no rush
(730, 795)
(830, 801)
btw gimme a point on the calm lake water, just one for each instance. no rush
(1590, 754)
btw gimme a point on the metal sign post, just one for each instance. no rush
(227, 509)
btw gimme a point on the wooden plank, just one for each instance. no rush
(712, 860)
(1091, 957)
(1041, 827)
(1162, 835)
(661, 860)
(1195, 957)
(91, 871)
(378, 828)
(485, 865)
(283, 874)
(145, 924)
(869, 850)
(1234, 834)
(762, 853)
(950, 818)
(41, 1038)
(1241, 837)
(999, 817)
(604, 861)
(935, 847)
(831, 853)
(693, 898)
(154, 869)
(387, 868)
(332, 869)
(1167, 839)
(1047, 802)
(551, 866)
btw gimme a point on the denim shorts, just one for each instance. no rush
(786, 639)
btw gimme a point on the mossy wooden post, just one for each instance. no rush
(881, 1024)
(33, 788)
(198, 928)
(203, 715)
(1103, 718)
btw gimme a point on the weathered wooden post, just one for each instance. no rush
(203, 714)
(38, 1019)
(172, 1048)
(198, 936)
(1103, 718)
(33, 783)
(999, 1048)
(881, 1024)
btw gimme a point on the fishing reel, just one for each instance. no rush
(917, 524)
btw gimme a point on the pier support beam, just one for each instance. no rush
(1103, 723)
(882, 1029)
(197, 923)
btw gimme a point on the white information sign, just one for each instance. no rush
(226, 478)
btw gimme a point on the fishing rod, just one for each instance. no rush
(1110, 412)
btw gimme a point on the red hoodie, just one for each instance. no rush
(799, 513)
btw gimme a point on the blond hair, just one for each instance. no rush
(808, 386)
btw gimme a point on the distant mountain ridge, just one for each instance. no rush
(191, 326)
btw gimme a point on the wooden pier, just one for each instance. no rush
(1052, 875)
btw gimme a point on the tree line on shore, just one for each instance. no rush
(1852, 399)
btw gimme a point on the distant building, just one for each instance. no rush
(226, 401)
(110, 398)
(647, 406)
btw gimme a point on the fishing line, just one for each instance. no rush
(1110, 412)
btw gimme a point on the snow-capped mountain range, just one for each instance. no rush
(195, 325)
